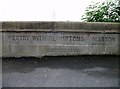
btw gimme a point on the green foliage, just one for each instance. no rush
(102, 12)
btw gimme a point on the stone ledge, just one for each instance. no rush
(61, 26)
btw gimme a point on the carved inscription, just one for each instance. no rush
(104, 38)
(60, 38)
(58, 43)
(20, 37)
(45, 38)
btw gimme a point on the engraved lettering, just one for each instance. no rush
(103, 38)
(37, 38)
(19, 37)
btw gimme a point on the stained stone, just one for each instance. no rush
(63, 39)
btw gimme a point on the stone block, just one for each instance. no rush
(60, 38)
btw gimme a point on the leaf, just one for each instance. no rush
(102, 12)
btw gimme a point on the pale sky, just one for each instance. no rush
(43, 10)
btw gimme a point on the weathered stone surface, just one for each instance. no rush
(61, 26)
(58, 43)
(58, 38)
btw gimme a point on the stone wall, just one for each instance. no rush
(59, 38)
